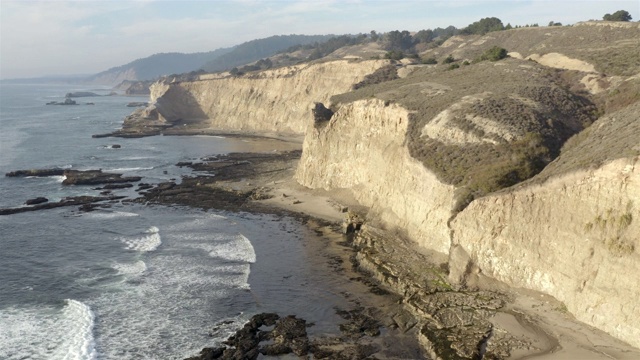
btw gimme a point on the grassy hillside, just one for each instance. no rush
(612, 47)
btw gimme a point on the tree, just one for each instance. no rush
(620, 15)
(484, 26)
(374, 35)
(396, 40)
(424, 36)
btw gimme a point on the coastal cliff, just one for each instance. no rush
(571, 231)
(508, 168)
(575, 235)
(363, 148)
(272, 101)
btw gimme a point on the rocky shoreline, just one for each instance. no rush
(410, 295)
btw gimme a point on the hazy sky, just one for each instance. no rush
(83, 37)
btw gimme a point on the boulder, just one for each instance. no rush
(35, 201)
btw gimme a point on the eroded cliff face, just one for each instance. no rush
(573, 234)
(270, 101)
(363, 148)
(576, 237)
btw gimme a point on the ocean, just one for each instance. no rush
(135, 281)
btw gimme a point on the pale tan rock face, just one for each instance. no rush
(272, 101)
(576, 237)
(363, 148)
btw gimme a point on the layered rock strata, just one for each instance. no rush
(273, 101)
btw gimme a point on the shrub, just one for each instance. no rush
(493, 54)
(430, 61)
(394, 55)
(448, 60)
(465, 63)
(453, 66)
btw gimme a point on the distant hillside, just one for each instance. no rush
(254, 50)
(155, 66)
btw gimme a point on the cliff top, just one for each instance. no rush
(484, 126)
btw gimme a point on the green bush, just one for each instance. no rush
(448, 60)
(453, 66)
(430, 61)
(493, 54)
(394, 55)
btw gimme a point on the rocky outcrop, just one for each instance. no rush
(93, 177)
(273, 101)
(86, 204)
(66, 101)
(36, 172)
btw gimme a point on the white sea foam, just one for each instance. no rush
(59, 178)
(79, 320)
(47, 333)
(135, 268)
(144, 243)
(238, 249)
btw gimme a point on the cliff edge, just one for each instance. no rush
(273, 101)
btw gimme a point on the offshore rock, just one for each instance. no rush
(35, 201)
(93, 177)
(68, 201)
(36, 172)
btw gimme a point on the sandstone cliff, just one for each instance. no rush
(363, 148)
(575, 236)
(571, 231)
(274, 101)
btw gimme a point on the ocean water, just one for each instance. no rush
(134, 281)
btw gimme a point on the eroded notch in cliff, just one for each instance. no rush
(321, 115)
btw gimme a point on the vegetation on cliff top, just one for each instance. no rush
(529, 103)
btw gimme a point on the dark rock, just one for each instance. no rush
(137, 104)
(36, 172)
(89, 103)
(93, 177)
(321, 114)
(66, 101)
(68, 201)
(38, 200)
(144, 186)
(116, 146)
(208, 354)
(116, 186)
(184, 163)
